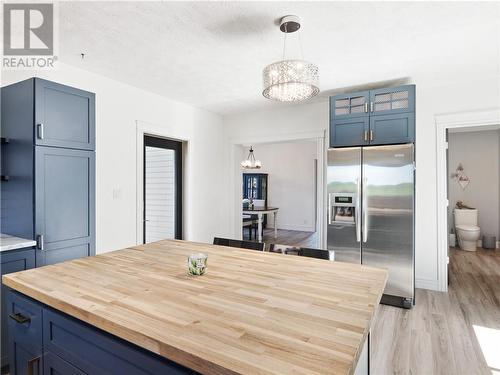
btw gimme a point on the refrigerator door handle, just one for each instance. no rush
(357, 211)
(329, 213)
(365, 213)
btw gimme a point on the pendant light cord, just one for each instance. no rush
(300, 45)
(284, 45)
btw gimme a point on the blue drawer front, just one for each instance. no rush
(28, 333)
(96, 352)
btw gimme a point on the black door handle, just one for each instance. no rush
(20, 318)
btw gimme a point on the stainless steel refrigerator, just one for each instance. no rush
(371, 213)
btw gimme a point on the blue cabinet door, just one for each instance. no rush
(349, 131)
(23, 361)
(64, 116)
(64, 204)
(99, 353)
(349, 105)
(392, 129)
(392, 100)
(53, 365)
(24, 335)
(11, 261)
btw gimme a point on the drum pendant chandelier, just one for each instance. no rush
(290, 80)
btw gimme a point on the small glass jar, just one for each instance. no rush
(197, 264)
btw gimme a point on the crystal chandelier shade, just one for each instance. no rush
(290, 80)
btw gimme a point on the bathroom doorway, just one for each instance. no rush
(473, 186)
(446, 126)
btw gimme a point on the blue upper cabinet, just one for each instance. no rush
(64, 116)
(349, 132)
(350, 105)
(392, 129)
(376, 117)
(349, 122)
(392, 100)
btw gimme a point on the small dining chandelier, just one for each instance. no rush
(250, 162)
(290, 80)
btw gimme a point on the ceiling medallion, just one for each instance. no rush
(290, 80)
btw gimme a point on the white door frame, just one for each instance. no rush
(235, 177)
(444, 122)
(142, 128)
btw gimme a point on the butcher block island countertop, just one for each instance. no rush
(251, 313)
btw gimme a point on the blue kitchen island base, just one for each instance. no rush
(46, 341)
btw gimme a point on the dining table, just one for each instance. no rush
(260, 211)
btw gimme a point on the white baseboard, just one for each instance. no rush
(427, 284)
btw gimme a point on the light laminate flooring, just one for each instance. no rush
(445, 333)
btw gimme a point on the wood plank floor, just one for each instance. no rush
(286, 237)
(440, 334)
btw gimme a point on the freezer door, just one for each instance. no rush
(388, 189)
(344, 216)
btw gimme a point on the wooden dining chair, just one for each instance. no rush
(249, 222)
(250, 245)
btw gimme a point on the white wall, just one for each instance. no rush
(118, 106)
(434, 96)
(291, 183)
(478, 151)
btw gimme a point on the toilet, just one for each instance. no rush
(466, 228)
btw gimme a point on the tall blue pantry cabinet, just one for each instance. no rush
(50, 161)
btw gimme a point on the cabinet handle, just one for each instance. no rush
(39, 131)
(39, 241)
(371, 135)
(20, 318)
(365, 136)
(371, 106)
(31, 365)
(366, 107)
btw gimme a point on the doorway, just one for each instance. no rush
(162, 189)
(475, 120)
(474, 197)
(283, 192)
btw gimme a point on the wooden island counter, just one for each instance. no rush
(136, 311)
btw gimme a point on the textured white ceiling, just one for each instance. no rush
(211, 54)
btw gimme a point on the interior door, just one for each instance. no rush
(388, 204)
(344, 219)
(162, 189)
(65, 204)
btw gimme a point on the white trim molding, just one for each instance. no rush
(460, 120)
